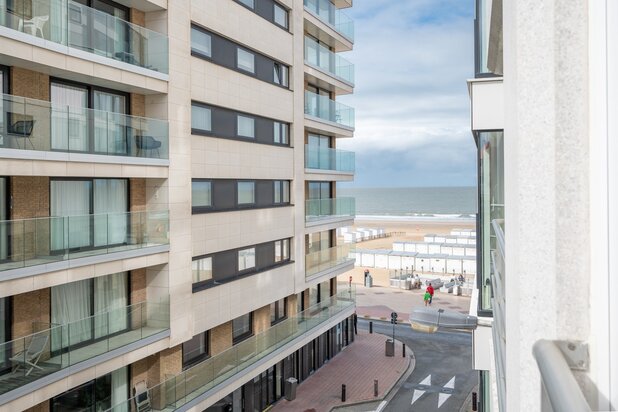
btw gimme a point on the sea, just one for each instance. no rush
(413, 203)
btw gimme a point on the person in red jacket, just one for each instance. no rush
(430, 291)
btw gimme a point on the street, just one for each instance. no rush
(443, 376)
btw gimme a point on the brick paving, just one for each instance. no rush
(357, 366)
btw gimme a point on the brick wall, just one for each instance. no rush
(137, 17)
(138, 105)
(154, 370)
(29, 308)
(28, 83)
(220, 338)
(29, 196)
(261, 319)
(137, 191)
(292, 305)
(138, 285)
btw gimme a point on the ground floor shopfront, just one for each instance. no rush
(268, 387)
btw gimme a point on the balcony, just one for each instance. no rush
(41, 126)
(74, 25)
(50, 241)
(185, 389)
(324, 211)
(327, 110)
(334, 160)
(328, 260)
(321, 58)
(53, 349)
(328, 14)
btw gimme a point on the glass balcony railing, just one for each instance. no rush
(177, 391)
(74, 25)
(329, 14)
(43, 126)
(326, 109)
(328, 209)
(321, 57)
(44, 240)
(324, 158)
(55, 347)
(316, 262)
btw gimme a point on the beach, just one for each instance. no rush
(404, 229)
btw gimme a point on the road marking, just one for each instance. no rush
(381, 406)
(418, 393)
(442, 397)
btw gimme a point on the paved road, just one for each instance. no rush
(443, 376)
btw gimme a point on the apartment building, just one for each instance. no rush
(542, 102)
(168, 201)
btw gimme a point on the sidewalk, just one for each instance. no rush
(356, 366)
(378, 302)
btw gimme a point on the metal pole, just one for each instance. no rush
(474, 402)
(375, 388)
(343, 393)
(370, 327)
(403, 350)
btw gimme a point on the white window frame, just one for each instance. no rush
(246, 259)
(240, 117)
(200, 51)
(286, 14)
(239, 52)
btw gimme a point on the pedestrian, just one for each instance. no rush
(426, 298)
(430, 291)
(417, 282)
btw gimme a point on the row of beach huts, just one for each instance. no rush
(440, 254)
(360, 234)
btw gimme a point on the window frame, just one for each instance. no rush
(276, 305)
(279, 187)
(244, 116)
(195, 130)
(283, 130)
(283, 72)
(245, 335)
(240, 49)
(246, 269)
(284, 247)
(245, 205)
(195, 52)
(287, 15)
(201, 208)
(205, 354)
(250, 7)
(212, 275)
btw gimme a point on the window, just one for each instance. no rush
(281, 16)
(195, 350)
(245, 60)
(280, 73)
(278, 311)
(282, 191)
(242, 327)
(201, 194)
(248, 3)
(99, 394)
(282, 250)
(201, 42)
(245, 126)
(201, 118)
(246, 259)
(246, 193)
(280, 132)
(202, 269)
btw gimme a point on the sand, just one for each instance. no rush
(408, 231)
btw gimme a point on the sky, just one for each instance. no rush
(412, 59)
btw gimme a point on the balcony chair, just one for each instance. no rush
(142, 397)
(30, 357)
(22, 129)
(34, 26)
(148, 144)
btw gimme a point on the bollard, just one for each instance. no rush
(474, 401)
(403, 349)
(370, 327)
(343, 393)
(375, 388)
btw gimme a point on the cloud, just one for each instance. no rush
(412, 58)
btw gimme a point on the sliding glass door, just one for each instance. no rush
(95, 213)
(88, 119)
(4, 216)
(69, 120)
(319, 153)
(89, 309)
